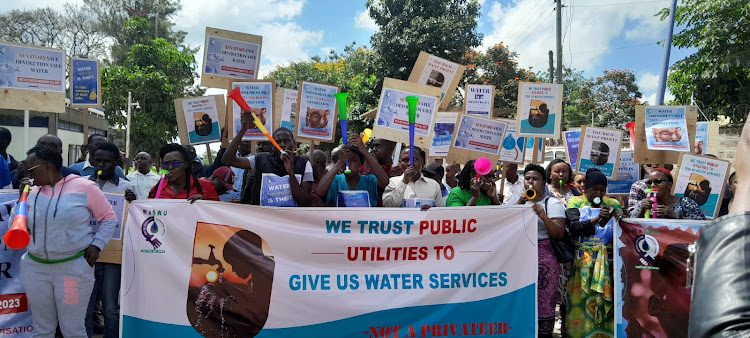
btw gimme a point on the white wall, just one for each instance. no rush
(16, 147)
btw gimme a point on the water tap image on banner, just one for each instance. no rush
(230, 282)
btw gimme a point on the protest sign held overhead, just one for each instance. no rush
(229, 56)
(703, 179)
(479, 100)
(392, 119)
(572, 139)
(442, 133)
(433, 71)
(259, 96)
(513, 145)
(704, 133)
(285, 109)
(476, 137)
(316, 111)
(539, 109)
(200, 119)
(664, 152)
(342, 270)
(666, 128)
(627, 174)
(32, 78)
(599, 148)
(85, 83)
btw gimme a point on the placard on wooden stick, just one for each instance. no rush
(706, 137)
(433, 71)
(32, 84)
(599, 148)
(392, 119)
(703, 179)
(207, 115)
(476, 137)
(85, 83)
(259, 95)
(479, 99)
(317, 112)
(643, 155)
(285, 109)
(228, 56)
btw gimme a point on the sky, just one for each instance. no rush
(598, 34)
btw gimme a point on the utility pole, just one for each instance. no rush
(551, 69)
(665, 63)
(559, 41)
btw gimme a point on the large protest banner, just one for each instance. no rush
(208, 269)
(651, 295)
(15, 317)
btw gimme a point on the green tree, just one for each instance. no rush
(498, 67)
(444, 28)
(156, 73)
(357, 71)
(115, 19)
(609, 99)
(717, 75)
(73, 30)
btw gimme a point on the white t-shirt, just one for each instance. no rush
(554, 209)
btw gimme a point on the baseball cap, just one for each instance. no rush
(226, 175)
(434, 168)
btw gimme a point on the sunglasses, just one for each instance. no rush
(173, 164)
(31, 170)
(656, 181)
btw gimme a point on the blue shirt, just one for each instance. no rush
(85, 169)
(367, 183)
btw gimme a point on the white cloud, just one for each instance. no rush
(284, 40)
(529, 27)
(363, 21)
(651, 98)
(648, 82)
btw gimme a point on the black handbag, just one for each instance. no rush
(563, 247)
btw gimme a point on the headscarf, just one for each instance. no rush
(595, 177)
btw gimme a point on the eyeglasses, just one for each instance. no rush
(173, 164)
(30, 170)
(656, 181)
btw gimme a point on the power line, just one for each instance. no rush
(535, 28)
(615, 48)
(523, 23)
(623, 3)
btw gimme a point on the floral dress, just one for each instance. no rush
(590, 301)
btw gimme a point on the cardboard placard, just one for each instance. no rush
(666, 128)
(85, 83)
(627, 173)
(705, 132)
(207, 114)
(479, 100)
(703, 179)
(392, 119)
(599, 148)
(285, 109)
(112, 253)
(539, 109)
(513, 145)
(317, 112)
(433, 71)
(644, 155)
(32, 78)
(442, 133)
(476, 137)
(259, 95)
(229, 56)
